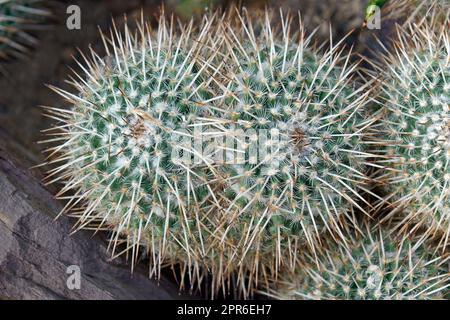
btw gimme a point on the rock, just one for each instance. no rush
(36, 251)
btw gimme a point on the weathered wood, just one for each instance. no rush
(36, 250)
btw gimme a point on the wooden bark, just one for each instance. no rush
(36, 250)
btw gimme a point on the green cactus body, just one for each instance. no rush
(314, 171)
(117, 142)
(416, 128)
(16, 17)
(375, 267)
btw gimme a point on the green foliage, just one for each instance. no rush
(371, 6)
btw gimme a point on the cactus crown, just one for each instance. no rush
(376, 266)
(16, 17)
(416, 125)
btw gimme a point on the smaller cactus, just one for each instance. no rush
(16, 18)
(415, 127)
(376, 266)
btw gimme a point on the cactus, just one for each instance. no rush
(275, 86)
(114, 147)
(16, 18)
(415, 127)
(375, 266)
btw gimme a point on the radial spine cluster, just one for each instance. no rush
(416, 11)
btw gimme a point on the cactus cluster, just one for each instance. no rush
(17, 17)
(235, 148)
(415, 127)
(116, 146)
(375, 266)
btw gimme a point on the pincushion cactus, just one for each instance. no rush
(308, 119)
(16, 18)
(375, 266)
(415, 127)
(115, 145)
(343, 16)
